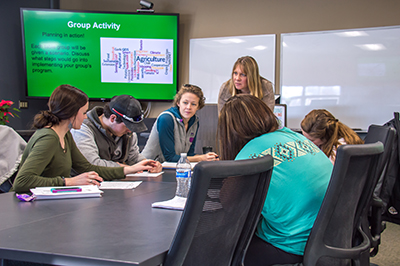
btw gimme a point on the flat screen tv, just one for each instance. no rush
(103, 54)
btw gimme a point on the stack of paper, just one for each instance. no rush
(89, 191)
(169, 165)
(177, 203)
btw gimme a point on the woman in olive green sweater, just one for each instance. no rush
(51, 152)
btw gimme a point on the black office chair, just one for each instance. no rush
(348, 194)
(221, 212)
(372, 220)
(331, 238)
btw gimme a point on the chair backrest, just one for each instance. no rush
(392, 213)
(384, 134)
(330, 240)
(221, 212)
(372, 218)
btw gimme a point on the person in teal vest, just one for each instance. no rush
(175, 130)
(247, 129)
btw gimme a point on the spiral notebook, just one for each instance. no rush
(67, 192)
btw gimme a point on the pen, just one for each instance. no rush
(67, 189)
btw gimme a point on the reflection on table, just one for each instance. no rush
(120, 228)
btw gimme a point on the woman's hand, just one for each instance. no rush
(210, 156)
(157, 168)
(145, 165)
(88, 178)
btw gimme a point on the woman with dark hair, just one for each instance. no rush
(246, 79)
(51, 151)
(327, 132)
(175, 129)
(247, 129)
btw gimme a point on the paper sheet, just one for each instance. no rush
(145, 174)
(169, 165)
(176, 203)
(119, 185)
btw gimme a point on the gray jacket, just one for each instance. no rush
(100, 148)
(12, 148)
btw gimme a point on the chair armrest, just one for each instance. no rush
(343, 253)
(377, 202)
(376, 217)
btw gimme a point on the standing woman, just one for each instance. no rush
(51, 151)
(175, 129)
(246, 79)
(248, 129)
(327, 132)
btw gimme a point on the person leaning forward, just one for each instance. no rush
(108, 136)
(51, 152)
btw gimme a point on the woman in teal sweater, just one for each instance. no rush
(247, 128)
(51, 152)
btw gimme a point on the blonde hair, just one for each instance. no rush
(321, 124)
(249, 67)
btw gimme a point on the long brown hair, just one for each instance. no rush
(321, 124)
(64, 103)
(249, 67)
(243, 118)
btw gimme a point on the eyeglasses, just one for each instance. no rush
(136, 119)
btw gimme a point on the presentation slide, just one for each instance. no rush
(124, 60)
(103, 54)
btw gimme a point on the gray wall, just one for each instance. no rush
(11, 64)
(198, 19)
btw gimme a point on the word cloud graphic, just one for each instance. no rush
(126, 60)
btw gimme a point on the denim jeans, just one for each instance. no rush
(6, 186)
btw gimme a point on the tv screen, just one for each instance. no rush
(103, 54)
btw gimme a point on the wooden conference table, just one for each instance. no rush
(120, 228)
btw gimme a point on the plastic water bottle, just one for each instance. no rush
(183, 176)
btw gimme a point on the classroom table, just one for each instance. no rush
(120, 228)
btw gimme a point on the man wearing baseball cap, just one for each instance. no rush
(108, 137)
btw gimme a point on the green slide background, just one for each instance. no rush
(138, 26)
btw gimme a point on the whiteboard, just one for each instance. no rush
(211, 60)
(354, 74)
